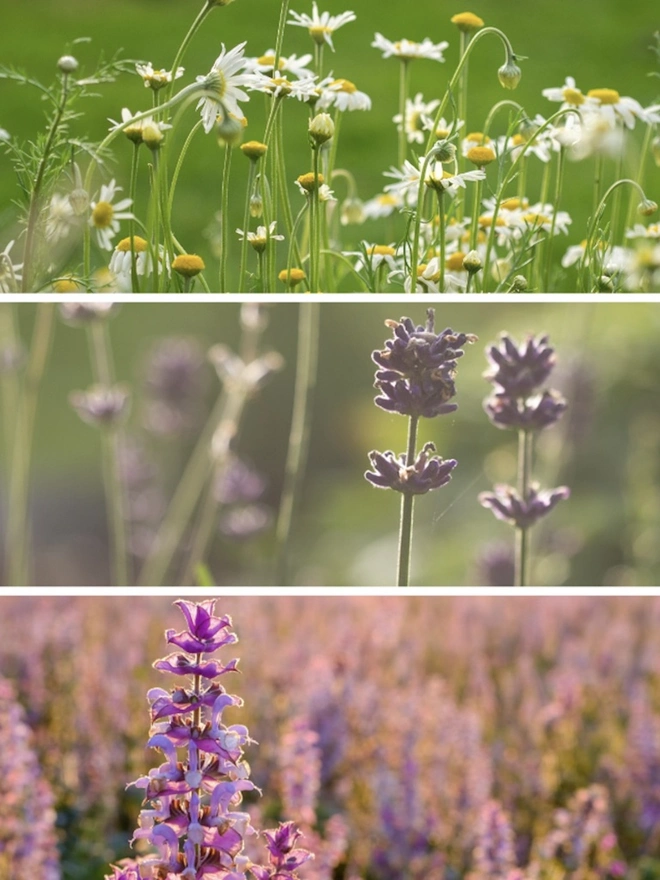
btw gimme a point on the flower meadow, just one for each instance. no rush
(209, 444)
(469, 200)
(408, 737)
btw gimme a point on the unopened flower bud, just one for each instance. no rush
(472, 262)
(78, 314)
(101, 406)
(519, 284)
(605, 284)
(292, 277)
(256, 205)
(67, 64)
(467, 22)
(481, 156)
(229, 130)
(444, 151)
(647, 207)
(79, 201)
(509, 74)
(321, 128)
(352, 212)
(254, 150)
(152, 136)
(188, 265)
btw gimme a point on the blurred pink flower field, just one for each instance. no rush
(408, 737)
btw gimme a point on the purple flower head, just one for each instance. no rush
(417, 368)
(206, 633)
(239, 483)
(508, 506)
(182, 664)
(533, 414)
(127, 870)
(494, 853)
(285, 859)
(519, 369)
(428, 471)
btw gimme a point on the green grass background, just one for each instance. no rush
(607, 449)
(602, 43)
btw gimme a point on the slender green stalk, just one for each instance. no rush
(289, 222)
(476, 213)
(225, 219)
(309, 317)
(443, 243)
(315, 243)
(19, 480)
(407, 506)
(246, 227)
(616, 207)
(522, 551)
(33, 210)
(640, 171)
(104, 375)
(132, 191)
(559, 182)
(404, 78)
(181, 51)
(279, 42)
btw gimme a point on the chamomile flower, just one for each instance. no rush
(443, 181)
(542, 217)
(302, 89)
(610, 106)
(156, 79)
(475, 139)
(541, 147)
(382, 205)
(286, 64)
(406, 182)
(321, 26)
(344, 95)
(640, 231)
(121, 262)
(10, 273)
(567, 95)
(375, 256)
(418, 118)
(105, 215)
(408, 50)
(135, 131)
(60, 218)
(259, 239)
(224, 86)
(598, 137)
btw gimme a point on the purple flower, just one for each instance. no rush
(205, 633)
(533, 414)
(285, 859)
(519, 369)
(428, 471)
(417, 368)
(494, 853)
(507, 505)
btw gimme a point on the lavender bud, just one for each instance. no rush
(507, 505)
(101, 406)
(248, 521)
(518, 370)
(532, 414)
(80, 314)
(427, 473)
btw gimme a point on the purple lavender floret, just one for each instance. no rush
(285, 859)
(532, 414)
(519, 369)
(427, 473)
(417, 368)
(206, 633)
(507, 505)
(239, 483)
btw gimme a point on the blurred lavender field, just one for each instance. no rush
(412, 738)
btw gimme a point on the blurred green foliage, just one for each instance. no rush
(607, 448)
(602, 43)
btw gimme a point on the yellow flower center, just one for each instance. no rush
(513, 204)
(381, 250)
(292, 276)
(478, 137)
(536, 219)
(320, 30)
(518, 140)
(481, 156)
(487, 221)
(416, 121)
(387, 199)
(102, 215)
(605, 96)
(573, 96)
(139, 245)
(254, 149)
(269, 61)
(66, 285)
(344, 85)
(467, 21)
(455, 261)
(409, 55)
(309, 182)
(188, 265)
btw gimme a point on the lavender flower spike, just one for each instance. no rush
(508, 506)
(428, 471)
(191, 814)
(519, 369)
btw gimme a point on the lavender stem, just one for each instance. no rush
(407, 503)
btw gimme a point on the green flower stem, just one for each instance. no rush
(646, 145)
(309, 318)
(464, 39)
(476, 213)
(279, 42)
(315, 224)
(443, 243)
(598, 177)
(154, 238)
(246, 226)
(598, 213)
(522, 554)
(225, 219)
(404, 81)
(289, 222)
(135, 283)
(19, 479)
(407, 505)
(559, 183)
(616, 207)
(182, 506)
(181, 51)
(177, 171)
(237, 397)
(343, 259)
(34, 208)
(111, 439)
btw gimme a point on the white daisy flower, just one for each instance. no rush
(382, 205)
(438, 178)
(418, 119)
(642, 267)
(61, 217)
(540, 217)
(567, 95)
(225, 86)
(640, 231)
(105, 215)
(4, 135)
(407, 182)
(302, 89)
(10, 273)
(598, 137)
(475, 139)
(408, 50)
(156, 79)
(286, 64)
(321, 26)
(259, 239)
(121, 262)
(135, 130)
(342, 94)
(610, 106)
(377, 255)
(652, 114)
